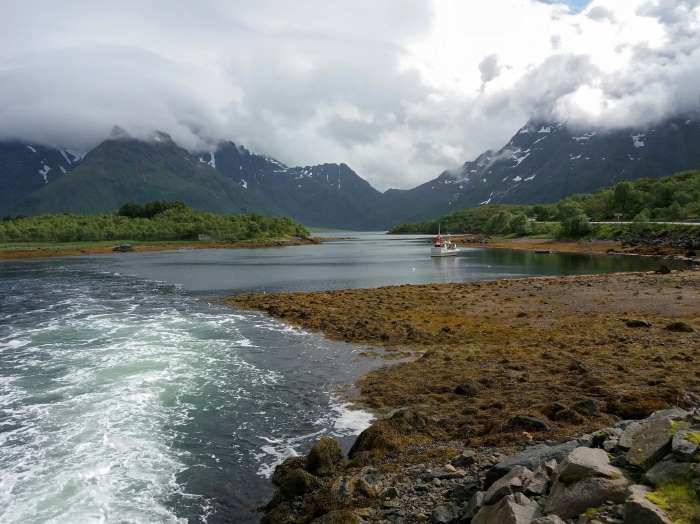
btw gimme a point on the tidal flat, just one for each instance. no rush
(483, 353)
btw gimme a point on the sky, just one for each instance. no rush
(400, 90)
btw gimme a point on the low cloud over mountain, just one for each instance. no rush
(398, 90)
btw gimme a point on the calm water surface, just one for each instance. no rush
(128, 393)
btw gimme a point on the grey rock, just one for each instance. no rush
(444, 514)
(531, 458)
(467, 458)
(650, 441)
(464, 492)
(549, 519)
(684, 447)
(568, 501)
(610, 444)
(338, 517)
(512, 509)
(448, 472)
(603, 434)
(540, 481)
(514, 481)
(473, 506)
(585, 440)
(640, 510)
(671, 413)
(628, 434)
(583, 463)
(668, 470)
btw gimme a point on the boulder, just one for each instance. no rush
(527, 423)
(558, 412)
(583, 463)
(638, 323)
(640, 510)
(512, 482)
(288, 465)
(650, 442)
(467, 458)
(512, 509)
(383, 434)
(684, 444)
(668, 470)
(325, 458)
(538, 484)
(569, 500)
(338, 517)
(549, 519)
(588, 407)
(297, 482)
(531, 458)
(472, 507)
(444, 514)
(680, 327)
(628, 434)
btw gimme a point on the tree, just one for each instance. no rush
(520, 224)
(575, 226)
(499, 223)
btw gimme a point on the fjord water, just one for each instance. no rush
(130, 393)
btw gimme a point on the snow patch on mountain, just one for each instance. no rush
(44, 171)
(638, 140)
(585, 137)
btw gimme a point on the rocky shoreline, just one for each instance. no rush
(634, 472)
(660, 248)
(489, 368)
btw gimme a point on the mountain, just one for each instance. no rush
(545, 162)
(25, 168)
(123, 169)
(331, 195)
(228, 179)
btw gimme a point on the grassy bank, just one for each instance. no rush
(24, 250)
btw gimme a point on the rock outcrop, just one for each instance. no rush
(617, 475)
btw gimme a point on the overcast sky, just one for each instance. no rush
(399, 90)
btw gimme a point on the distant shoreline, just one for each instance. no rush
(49, 250)
(578, 247)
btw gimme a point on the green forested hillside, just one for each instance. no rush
(672, 198)
(125, 170)
(173, 222)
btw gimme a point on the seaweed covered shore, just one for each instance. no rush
(499, 365)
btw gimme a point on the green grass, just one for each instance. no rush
(679, 500)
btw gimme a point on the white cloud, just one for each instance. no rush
(398, 90)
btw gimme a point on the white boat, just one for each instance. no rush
(443, 247)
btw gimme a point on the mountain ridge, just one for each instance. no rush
(542, 162)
